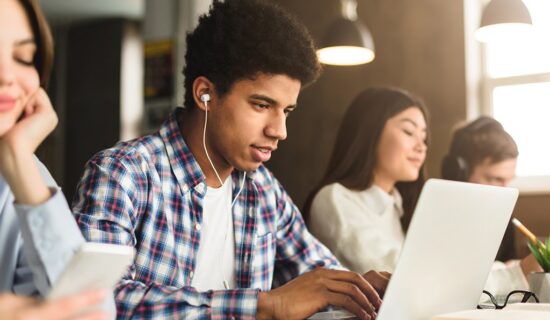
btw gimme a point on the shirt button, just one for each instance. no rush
(200, 187)
(46, 245)
(198, 226)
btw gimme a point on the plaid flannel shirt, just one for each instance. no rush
(148, 193)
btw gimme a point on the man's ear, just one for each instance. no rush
(202, 86)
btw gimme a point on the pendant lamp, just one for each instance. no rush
(347, 41)
(504, 19)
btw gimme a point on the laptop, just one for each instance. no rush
(450, 247)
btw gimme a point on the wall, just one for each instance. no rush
(419, 47)
(169, 20)
(93, 94)
(534, 211)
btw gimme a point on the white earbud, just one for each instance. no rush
(205, 97)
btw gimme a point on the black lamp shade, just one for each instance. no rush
(344, 32)
(346, 42)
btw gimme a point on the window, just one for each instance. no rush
(517, 93)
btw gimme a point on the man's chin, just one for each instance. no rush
(251, 166)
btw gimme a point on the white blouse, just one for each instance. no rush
(362, 228)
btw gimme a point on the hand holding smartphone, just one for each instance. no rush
(94, 266)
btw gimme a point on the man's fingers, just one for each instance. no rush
(351, 290)
(346, 302)
(357, 279)
(379, 280)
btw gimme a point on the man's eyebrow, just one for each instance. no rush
(264, 98)
(271, 101)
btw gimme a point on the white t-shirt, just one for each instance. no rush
(216, 255)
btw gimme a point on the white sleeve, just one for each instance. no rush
(50, 238)
(504, 278)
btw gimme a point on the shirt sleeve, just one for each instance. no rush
(506, 277)
(298, 251)
(357, 243)
(153, 301)
(50, 238)
(110, 199)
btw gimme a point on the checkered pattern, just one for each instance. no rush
(148, 193)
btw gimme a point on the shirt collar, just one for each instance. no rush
(184, 166)
(379, 200)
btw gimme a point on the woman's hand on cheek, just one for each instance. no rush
(37, 122)
(17, 146)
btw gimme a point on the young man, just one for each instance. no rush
(483, 152)
(213, 229)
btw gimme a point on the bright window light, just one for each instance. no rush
(528, 55)
(524, 111)
(517, 92)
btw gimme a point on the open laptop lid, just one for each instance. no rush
(450, 246)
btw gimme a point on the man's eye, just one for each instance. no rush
(261, 105)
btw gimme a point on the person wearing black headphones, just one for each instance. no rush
(483, 152)
(216, 235)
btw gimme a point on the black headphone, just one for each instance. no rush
(454, 166)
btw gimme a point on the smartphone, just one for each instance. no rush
(94, 266)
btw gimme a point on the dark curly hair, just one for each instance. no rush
(238, 39)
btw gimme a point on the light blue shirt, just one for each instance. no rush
(36, 242)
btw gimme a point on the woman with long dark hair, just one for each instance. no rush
(364, 203)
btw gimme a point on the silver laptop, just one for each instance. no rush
(450, 246)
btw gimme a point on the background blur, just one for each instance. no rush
(118, 74)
